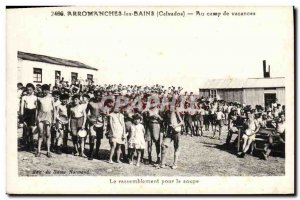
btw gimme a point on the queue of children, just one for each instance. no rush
(81, 112)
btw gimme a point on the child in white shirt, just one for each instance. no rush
(138, 133)
(219, 122)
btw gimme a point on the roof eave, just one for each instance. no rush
(82, 67)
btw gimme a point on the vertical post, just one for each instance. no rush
(239, 140)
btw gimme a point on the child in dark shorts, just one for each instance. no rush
(61, 135)
(172, 134)
(28, 115)
(77, 120)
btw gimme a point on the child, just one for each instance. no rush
(55, 95)
(219, 122)
(19, 92)
(128, 118)
(45, 116)
(84, 103)
(62, 124)
(118, 133)
(28, 113)
(138, 133)
(201, 114)
(225, 111)
(174, 121)
(131, 142)
(251, 128)
(206, 118)
(96, 124)
(77, 120)
(212, 116)
(85, 100)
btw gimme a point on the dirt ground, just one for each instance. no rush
(199, 156)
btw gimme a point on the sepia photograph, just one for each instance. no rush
(150, 100)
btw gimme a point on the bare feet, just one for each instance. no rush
(111, 162)
(49, 155)
(83, 155)
(174, 167)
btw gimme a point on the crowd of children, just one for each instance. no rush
(80, 111)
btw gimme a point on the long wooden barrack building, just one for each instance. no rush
(250, 91)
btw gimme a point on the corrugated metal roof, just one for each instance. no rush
(244, 83)
(265, 82)
(236, 83)
(53, 60)
(223, 83)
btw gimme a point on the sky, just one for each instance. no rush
(179, 51)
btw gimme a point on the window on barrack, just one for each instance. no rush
(89, 77)
(212, 93)
(37, 75)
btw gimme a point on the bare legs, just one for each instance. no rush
(139, 153)
(163, 156)
(44, 128)
(112, 151)
(118, 148)
(246, 144)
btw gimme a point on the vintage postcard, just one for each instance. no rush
(150, 100)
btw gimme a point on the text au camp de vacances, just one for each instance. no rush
(149, 13)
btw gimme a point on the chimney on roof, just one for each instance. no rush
(266, 69)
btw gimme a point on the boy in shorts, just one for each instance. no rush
(77, 121)
(219, 122)
(96, 123)
(174, 122)
(28, 115)
(57, 102)
(62, 124)
(45, 115)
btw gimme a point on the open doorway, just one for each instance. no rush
(269, 99)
